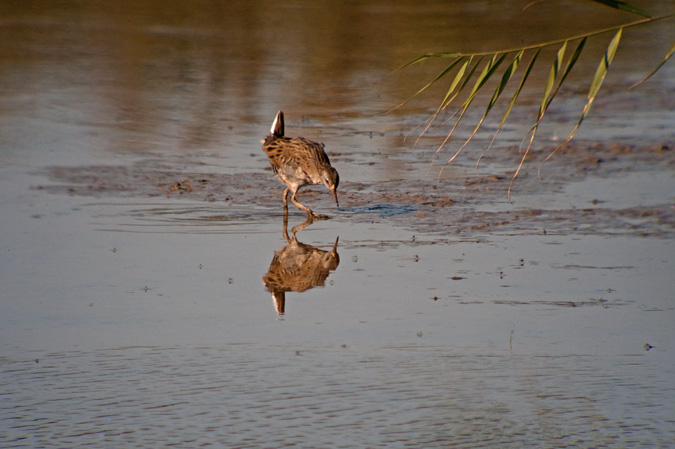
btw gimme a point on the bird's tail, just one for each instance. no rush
(278, 125)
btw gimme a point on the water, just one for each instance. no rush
(133, 315)
(337, 396)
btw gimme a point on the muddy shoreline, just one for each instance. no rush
(466, 206)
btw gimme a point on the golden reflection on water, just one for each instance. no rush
(194, 73)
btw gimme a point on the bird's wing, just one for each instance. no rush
(316, 150)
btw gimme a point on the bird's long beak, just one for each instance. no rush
(334, 192)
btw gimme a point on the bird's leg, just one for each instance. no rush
(285, 197)
(285, 232)
(309, 221)
(297, 203)
(310, 212)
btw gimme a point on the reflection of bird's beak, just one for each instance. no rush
(334, 192)
(279, 301)
(335, 245)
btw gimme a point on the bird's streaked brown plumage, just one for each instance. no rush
(297, 268)
(298, 162)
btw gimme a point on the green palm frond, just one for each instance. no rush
(616, 4)
(478, 68)
(599, 77)
(671, 50)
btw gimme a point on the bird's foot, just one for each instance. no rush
(313, 216)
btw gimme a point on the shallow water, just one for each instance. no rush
(134, 312)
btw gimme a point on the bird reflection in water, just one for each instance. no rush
(298, 267)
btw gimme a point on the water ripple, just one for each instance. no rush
(257, 396)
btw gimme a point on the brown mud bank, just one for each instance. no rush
(466, 204)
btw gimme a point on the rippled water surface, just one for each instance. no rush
(151, 294)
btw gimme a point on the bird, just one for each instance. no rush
(298, 162)
(298, 267)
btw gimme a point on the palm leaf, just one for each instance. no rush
(552, 75)
(671, 50)
(616, 4)
(546, 100)
(449, 97)
(430, 55)
(467, 79)
(511, 103)
(432, 82)
(598, 79)
(488, 70)
(451, 93)
(556, 78)
(508, 73)
(573, 59)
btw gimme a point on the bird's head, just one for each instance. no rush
(331, 179)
